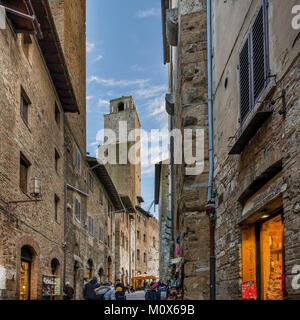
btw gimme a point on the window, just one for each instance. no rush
(145, 222)
(123, 240)
(108, 241)
(25, 42)
(138, 219)
(57, 114)
(138, 234)
(145, 257)
(144, 238)
(101, 197)
(77, 159)
(121, 107)
(254, 63)
(24, 168)
(126, 244)
(91, 181)
(91, 226)
(57, 157)
(56, 203)
(77, 210)
(154, 242)
(101, 234)
(24, 106)
(138, 254)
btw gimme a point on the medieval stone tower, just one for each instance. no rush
(125, 174)
(123, 120)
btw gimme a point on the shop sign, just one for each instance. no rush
(249, 290)
(57, 287)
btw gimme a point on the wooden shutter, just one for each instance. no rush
(23, 175)
(245, 87)
(259, 52)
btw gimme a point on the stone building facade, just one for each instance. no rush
(256, 148)
(131, 226)
(162, 199)
(33, 103)
(184, 34)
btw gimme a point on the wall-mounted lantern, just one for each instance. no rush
(35, 188)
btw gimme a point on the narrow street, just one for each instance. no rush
(139, 295)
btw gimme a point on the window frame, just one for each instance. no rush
(91, 225)
(77, 207)
(27, 165)
(266, 57)
(24, 98)
(77, 158)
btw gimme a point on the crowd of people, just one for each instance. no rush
(93, 290)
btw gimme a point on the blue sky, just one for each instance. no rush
(124, 57)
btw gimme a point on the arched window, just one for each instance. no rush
(54, 266)
(121, 107)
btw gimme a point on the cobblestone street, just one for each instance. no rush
(139, 295)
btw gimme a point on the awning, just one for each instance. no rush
(35, 17)
(127, 203)
(144, 277)
(106, 181)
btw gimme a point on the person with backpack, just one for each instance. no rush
(152, 294)
(89, 289)
(120, 290)
(105, 292)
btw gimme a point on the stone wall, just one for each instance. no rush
(190, 219)
(31, 224)
(276, 142)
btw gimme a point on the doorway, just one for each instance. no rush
(262, 255)
(271, 251)
(25, 272)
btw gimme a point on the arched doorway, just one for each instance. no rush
(26, 272)
(100, 275)
(75, 276)
(109, 269)
(89, 269)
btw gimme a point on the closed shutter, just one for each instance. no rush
(77, 210)
(245, 88)
(259, 45)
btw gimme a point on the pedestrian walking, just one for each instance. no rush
(89, 289)
(68, 291)
(105, 292)
(120, 290)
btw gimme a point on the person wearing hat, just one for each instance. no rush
(105, 292)
(152, 293)
(89, 289)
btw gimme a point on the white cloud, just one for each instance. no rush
(153, 12)
(137, 68)
(114, 83)
(102, 103)
(149, 92)
(98, 58)
(90, 46)
(88, 98)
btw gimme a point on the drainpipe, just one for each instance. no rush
(210, 207)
